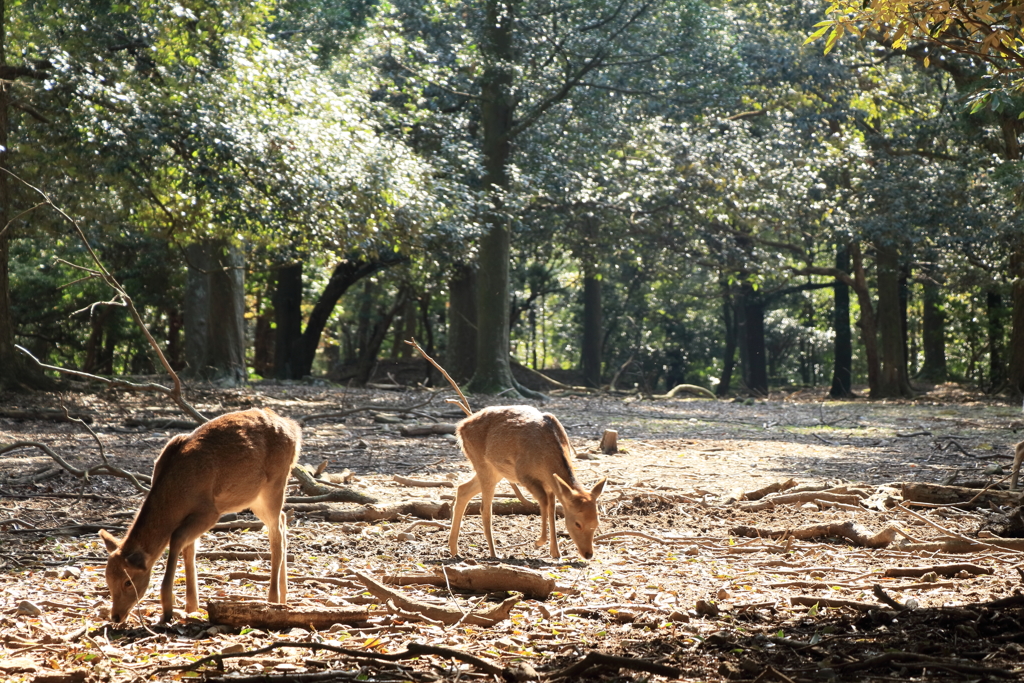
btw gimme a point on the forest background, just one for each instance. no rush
(645, 192)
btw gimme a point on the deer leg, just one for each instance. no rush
(183, 537)
(544, 501)
(463, 494)
(270, 513)
(486, 501)
(191, 580)
(551, 527)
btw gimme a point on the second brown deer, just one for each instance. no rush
(525, 446)
(235, 461)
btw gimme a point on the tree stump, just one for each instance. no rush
(610, 442)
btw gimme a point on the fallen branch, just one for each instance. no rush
(242, 556)
(887, 599)
(911, 659)
(811, 601)
(490, 578)
(427, 430)
(277, 617)
(407, 481)
(801, 498)
(599, 659)
(850, 530)
(424, 509)
(42, 414)
(958, 496)
(137, 478)
(412, 650)
(317, 492)
(687, 389)
(777, 487)
(447, 615)
(940, 569)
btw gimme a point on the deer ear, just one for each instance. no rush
(562, 486)
(598, 488)
(136, 559)
(109, 541)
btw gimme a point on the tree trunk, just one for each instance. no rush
(933, 332)
(493, 374)
(15, 370)
(1015, 371)
(729, 354)
(460, 356)
(379, 332)
(750, 331)
(867, 323)
(893, 380)
(592, 324)
(996, 332)
(196, 309)
(287, 319)
(345, 274)
(904, 289)
(842, 366)
(215, 312)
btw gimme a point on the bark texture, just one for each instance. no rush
(842, 367)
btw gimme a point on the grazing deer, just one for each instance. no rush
(235, 461)
(525, 446)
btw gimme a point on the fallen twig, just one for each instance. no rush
(850, 530)
(411, 651)
(105, 468)
(444, 614)
(940, 569)
(600, 659)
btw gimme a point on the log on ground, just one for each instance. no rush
(959, 496)
(274, 616)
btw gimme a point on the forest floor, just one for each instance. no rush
(682, 596)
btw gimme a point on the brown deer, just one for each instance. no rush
(525, 446)
(235, 461)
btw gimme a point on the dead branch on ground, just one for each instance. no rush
(940, 569)
(412, 650)
(317, 492)
(447, 615)
(422, 483)
(600, 659)
(958, 496)
(276, 617)
(136, 478)
(801, 498)
(850, 530)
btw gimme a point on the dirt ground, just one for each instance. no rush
(683, 590)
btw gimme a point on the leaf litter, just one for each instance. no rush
(681, 588)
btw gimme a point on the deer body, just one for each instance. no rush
(235, 461)
(524, 446)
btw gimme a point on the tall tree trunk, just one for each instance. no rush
(215, 312)
(378, 333)
(904, 288)
(345, 274)
(996, 331)
(842, 365)
(16, 372)
(287, 319)
(893, 380)
(750, 331)
(729, 353)
(592, 324)
(933, 332)
(493, 374)
(196, 309)
(1015, 369)
(227, 315)
(867, 321)
(460, 355)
